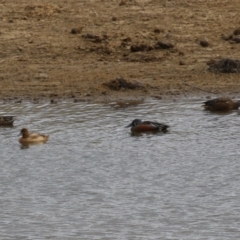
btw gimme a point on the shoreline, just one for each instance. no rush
(53, 51)
(121, 101)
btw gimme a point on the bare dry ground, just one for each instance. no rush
(61, 49)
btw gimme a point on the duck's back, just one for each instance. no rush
(34, 138)
(219, 104)
(7, 120)
(157, 125)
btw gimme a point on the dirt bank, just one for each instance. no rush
(71, 49)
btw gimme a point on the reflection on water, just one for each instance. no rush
(28, 145)
(150, 133)
(95, 180)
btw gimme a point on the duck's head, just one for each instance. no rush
(24, 132)
(134, 123)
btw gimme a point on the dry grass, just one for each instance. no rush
(41, 58)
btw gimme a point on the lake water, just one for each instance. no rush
(94, 180)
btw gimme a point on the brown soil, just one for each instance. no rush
(74, 49)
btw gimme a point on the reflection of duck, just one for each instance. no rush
(221, 104)
(32, 137)
(137, 125)
(7, 120)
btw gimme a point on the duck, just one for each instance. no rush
(7, 120)
(221, 104)
(139, 126)
(28, 137)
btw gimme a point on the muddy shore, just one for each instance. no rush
(79, 50)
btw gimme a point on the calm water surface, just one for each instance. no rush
(94, 180)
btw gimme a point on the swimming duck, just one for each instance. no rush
(221, 104)
(32, 137)
(7, 120)
(137, 125)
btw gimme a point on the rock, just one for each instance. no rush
(158, 30)
(236, 31)
(141, 47)
(123, 2)
(95, 38)
(120, 83)
(77, 30)
(163, 45)
(204, 43)
(236, 39)
(224, 65)
(53, 101)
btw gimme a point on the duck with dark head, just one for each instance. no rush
(7, 120)
(139, 126)
(221, 104)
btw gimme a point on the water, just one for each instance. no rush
(94, 180)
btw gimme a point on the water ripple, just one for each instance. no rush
(95, 180)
